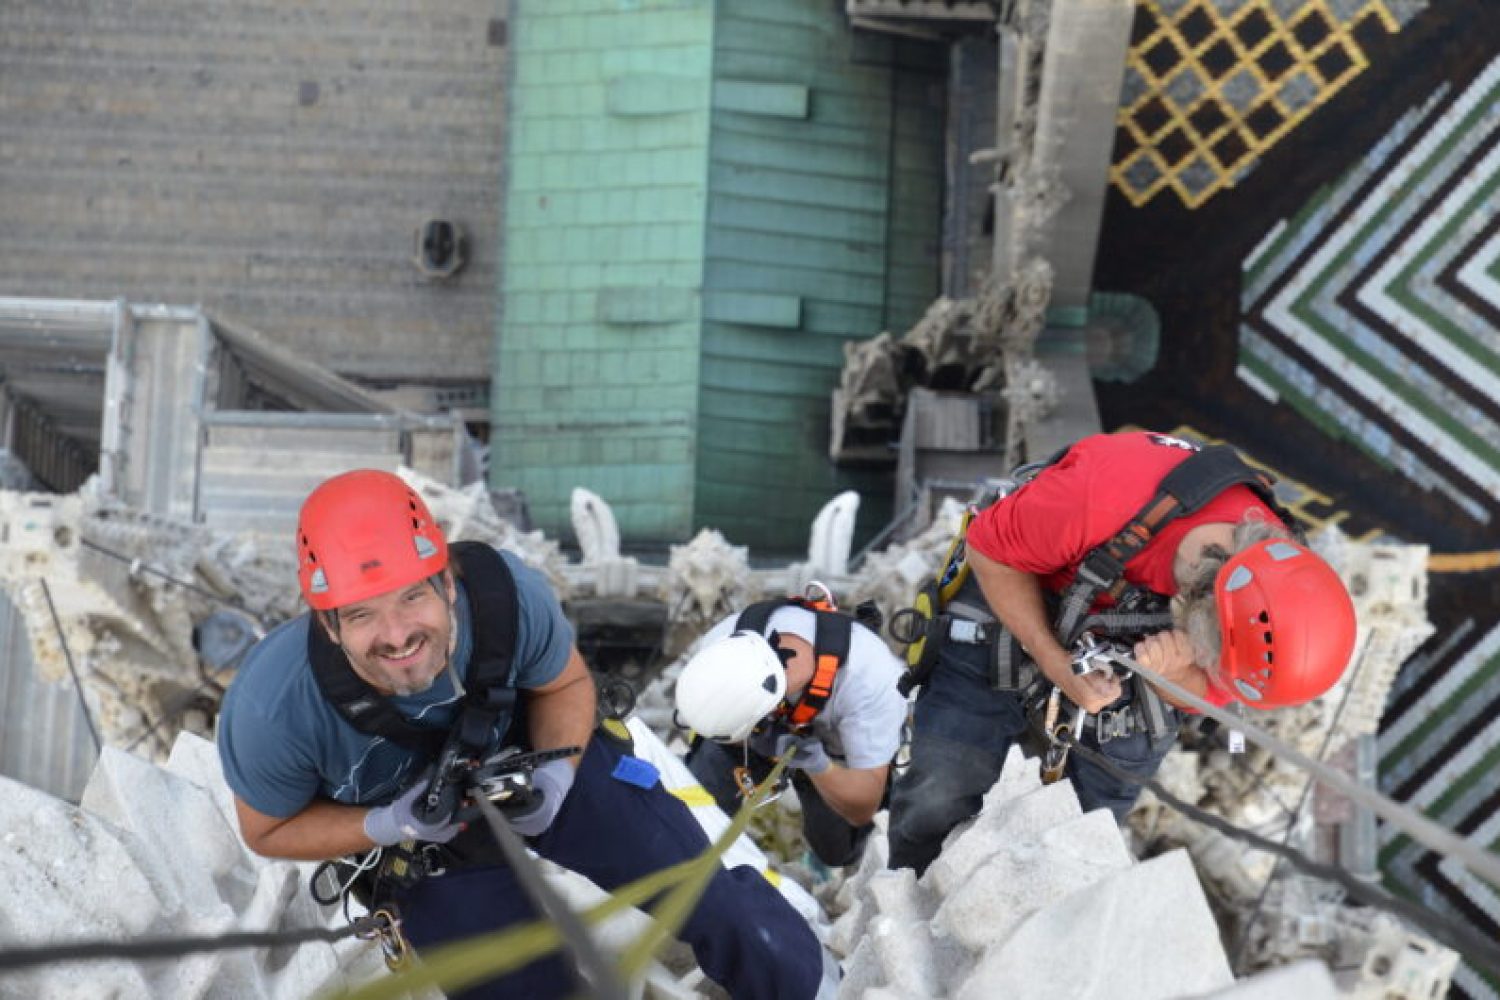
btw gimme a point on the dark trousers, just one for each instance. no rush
(832, 839)
(745, 936)
(961, 732)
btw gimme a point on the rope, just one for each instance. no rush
(143, 949)
(62, 640)
(136, 565)
(1421, 829)
(1291, 821)
(1472, 945)
(461, 963)
(604, 980)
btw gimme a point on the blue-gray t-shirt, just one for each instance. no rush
(283, 744)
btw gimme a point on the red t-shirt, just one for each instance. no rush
(1049, 525)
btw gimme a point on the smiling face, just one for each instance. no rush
(399, 641)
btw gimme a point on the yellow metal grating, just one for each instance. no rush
(1210, 85)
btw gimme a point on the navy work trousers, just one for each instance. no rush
(961, 732)
(745, 936)
(832, 839)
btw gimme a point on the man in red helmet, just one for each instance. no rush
(337, 734)
(1253, 615)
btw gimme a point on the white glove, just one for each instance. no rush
(397, 821)
(550, 785)
(803, 753)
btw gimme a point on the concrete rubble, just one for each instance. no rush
(1030, 885)
(153, 851)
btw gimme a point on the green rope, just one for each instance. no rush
(455, 966)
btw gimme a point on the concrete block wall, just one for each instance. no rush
(269, 161)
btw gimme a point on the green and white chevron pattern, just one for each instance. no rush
(1376, 313)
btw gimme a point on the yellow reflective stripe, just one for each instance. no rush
(693, 796)
(773, 877)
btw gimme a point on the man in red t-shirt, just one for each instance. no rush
(1029, 545)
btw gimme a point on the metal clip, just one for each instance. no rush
(1112, 724)
(394, 947)
(432, 860)
(1055, 757)
(745, 782)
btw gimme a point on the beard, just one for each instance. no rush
(405, 689)
(408, 680)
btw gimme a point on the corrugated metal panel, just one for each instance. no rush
(157, 393)
(44, 736)
(240, 488)
(815, 209)
(596, 363)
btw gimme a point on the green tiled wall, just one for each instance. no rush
(836, 210)
(705, 202)
(596, 368)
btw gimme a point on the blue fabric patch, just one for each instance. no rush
(637, 772)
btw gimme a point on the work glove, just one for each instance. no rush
(550, 784)
(803, 753)
(397, 821)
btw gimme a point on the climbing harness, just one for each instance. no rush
(464, 761)
(950, 607)
(935, 614)
(831, 641)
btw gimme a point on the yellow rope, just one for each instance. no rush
(463, 963)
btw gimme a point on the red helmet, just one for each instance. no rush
(362, 534)
(1286, 622)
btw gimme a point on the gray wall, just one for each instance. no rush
(268, 160)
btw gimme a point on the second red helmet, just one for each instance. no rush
(1286, 622)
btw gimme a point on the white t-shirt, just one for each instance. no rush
(860, 726)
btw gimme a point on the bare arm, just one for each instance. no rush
(853, 794)
(1171, 655)
(325, 829)
(560, 713)
(1015, 597)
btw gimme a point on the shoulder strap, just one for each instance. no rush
(492, 597)
(831, 643)
(1188, 487)
(757, 616)
(831, 640)
(494, 610)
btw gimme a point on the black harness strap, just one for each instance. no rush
(491, 591)
(832, 639)
(1193, 483)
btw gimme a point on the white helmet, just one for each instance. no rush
(727, 688)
